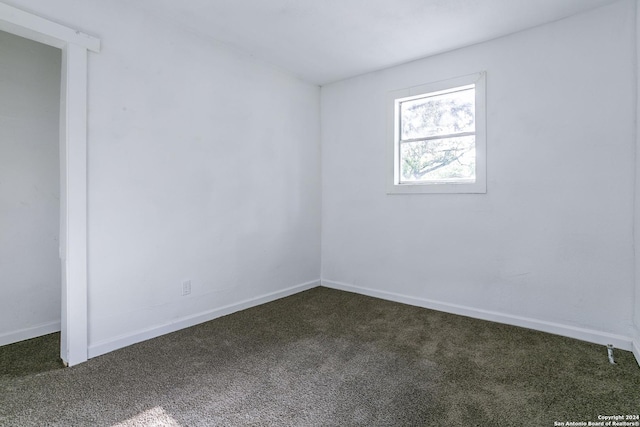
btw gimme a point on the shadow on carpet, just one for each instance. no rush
(30, 357)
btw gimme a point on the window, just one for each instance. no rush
(437, 137)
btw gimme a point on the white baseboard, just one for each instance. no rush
(589, 335)
(28, 333)
(107, 346)
(636, 350)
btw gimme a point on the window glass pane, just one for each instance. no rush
(443, 114)
(439, 160)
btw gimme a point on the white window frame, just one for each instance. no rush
(394, 185)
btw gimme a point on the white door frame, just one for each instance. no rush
(73, 168)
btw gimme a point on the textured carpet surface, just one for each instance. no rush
(324, 358)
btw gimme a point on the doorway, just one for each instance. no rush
(30, 270)
(75, 46)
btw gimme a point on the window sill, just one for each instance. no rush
(448, 188)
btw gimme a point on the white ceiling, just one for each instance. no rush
(322, 41)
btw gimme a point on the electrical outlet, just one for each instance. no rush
(186, 287)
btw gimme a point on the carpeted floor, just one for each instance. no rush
(324, 358)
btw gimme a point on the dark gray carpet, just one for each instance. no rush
(323, 358)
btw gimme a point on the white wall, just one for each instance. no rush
(637, 196)
(551, 244)
(203, 165)
(29, 189)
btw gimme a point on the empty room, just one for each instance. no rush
(319, 213)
